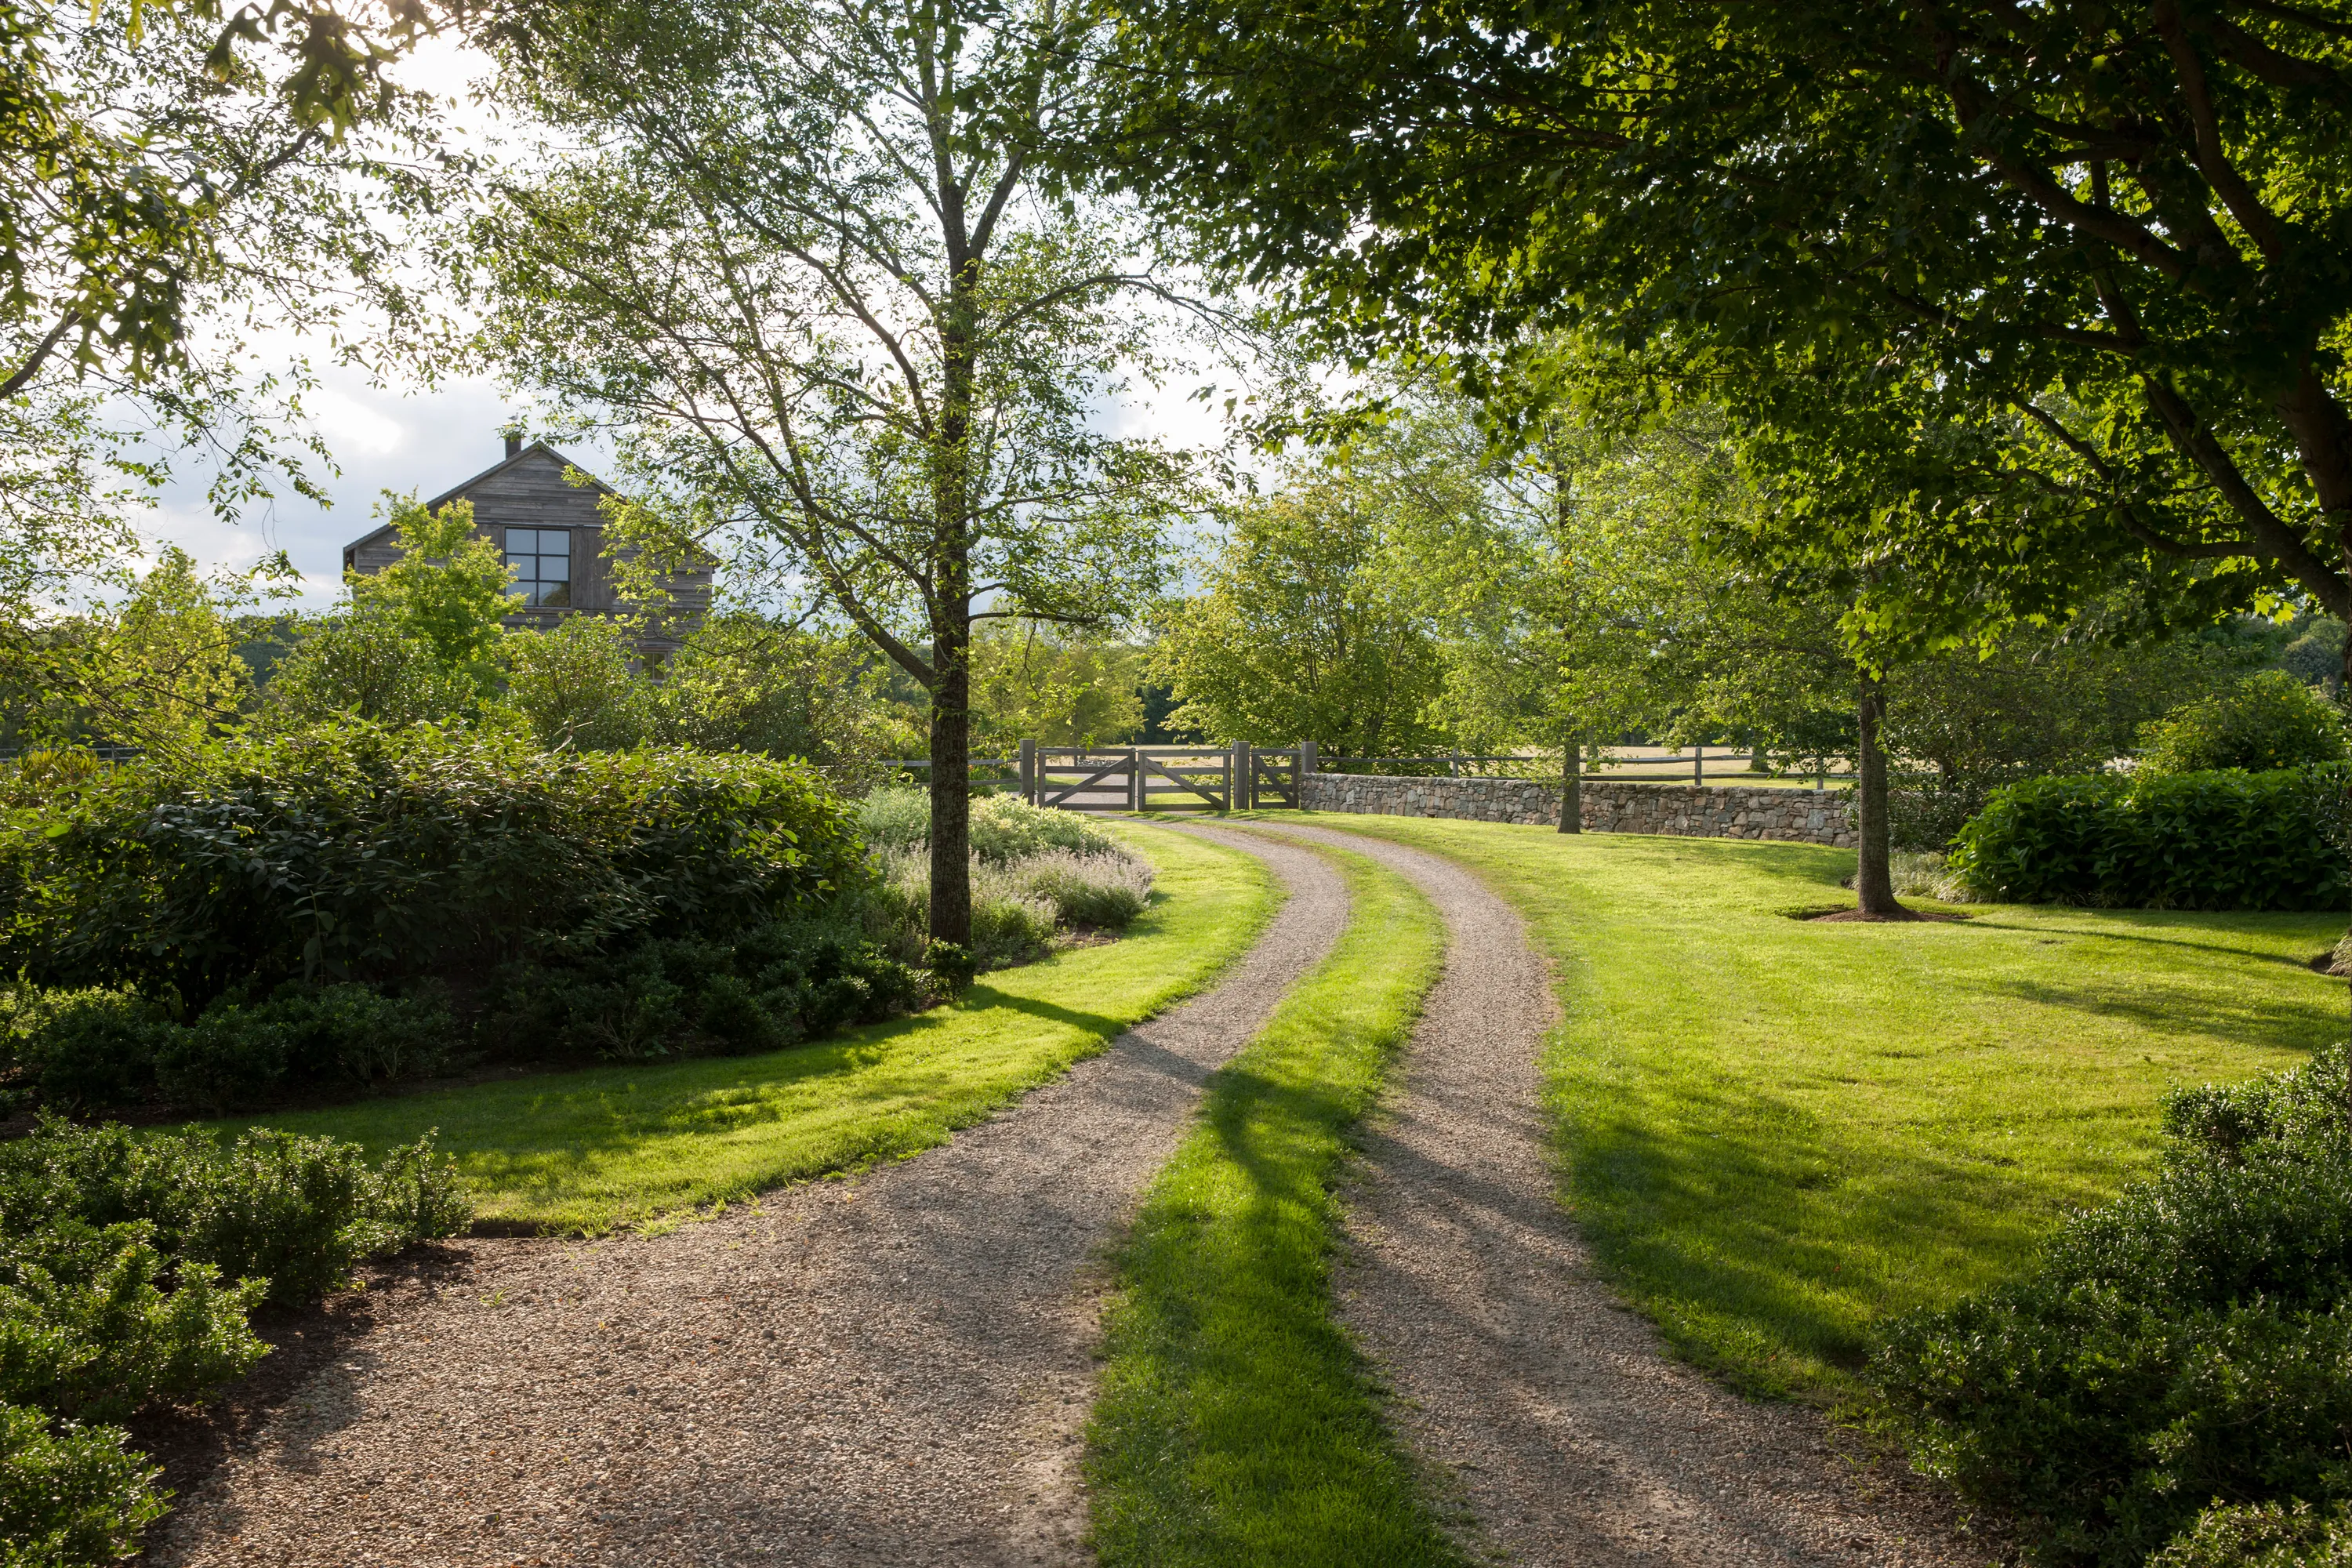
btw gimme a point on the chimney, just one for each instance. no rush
(514, 441)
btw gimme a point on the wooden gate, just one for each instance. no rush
(1158, 778)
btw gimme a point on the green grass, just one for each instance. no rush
(1234, 1425)
(1775, 1132)
(587, 1151)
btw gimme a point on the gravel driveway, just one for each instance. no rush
(889, 1370)
(1572, 1437)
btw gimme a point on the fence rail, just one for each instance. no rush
(1242, 778)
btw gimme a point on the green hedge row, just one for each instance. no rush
(354, 852)
(2225, 840)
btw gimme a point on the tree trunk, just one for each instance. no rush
(1874, 882)
(1571, 785)
(951, 782)
(951, 607)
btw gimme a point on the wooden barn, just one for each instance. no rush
(552, 531)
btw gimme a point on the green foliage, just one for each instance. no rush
(753, 990)
(362, 667)
(295, 1214)
(578, 685)
(1034, 681)
(97, 1048)
(87, 1329)
(740, 682)
(1003, 827)
(69, 1495)
(2261, 1535)
(2191, 1340)
(1948, 218)
(2267, 721)
(450, 588)
(1305, 630)
(2191, 841)
(356, 852)
(129, 1269)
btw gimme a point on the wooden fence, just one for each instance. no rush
(1252, 778)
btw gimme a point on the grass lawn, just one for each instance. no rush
(1234, 1426)
(1777, 1133)
(589, 1150)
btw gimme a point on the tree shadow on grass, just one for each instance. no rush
(2303, 1023)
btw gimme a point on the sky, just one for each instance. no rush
(427, 440)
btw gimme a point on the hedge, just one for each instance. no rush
(2225, 840)
(354, 852)
(2191, 1341)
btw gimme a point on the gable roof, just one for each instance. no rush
(457, 492)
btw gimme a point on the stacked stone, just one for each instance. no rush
(1692, 811)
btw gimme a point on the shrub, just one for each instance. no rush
(2198, 841)
(359, 853)
(1107, 890)
(1928, 813)
(1003, 827)
(299, 1213)
(96, 1049)
(88, 1328)
(2267, 721)
(2188, 1342)
(777, 983)
(1011, 923)
(69, 1495)
(129, 1268)
(364, 667)
(2261, 1535)
(579, 685)
(86, 1048)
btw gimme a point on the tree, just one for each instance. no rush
(745, 683)
(2112, 237)
(174, 165)
(803, 272)
(579, 686)
(451, 588)
(1305, 628)
(362, 667)
(1036, 681)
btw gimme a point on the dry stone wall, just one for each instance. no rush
(1692, 811)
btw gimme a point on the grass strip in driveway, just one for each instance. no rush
(1235, 1425)
(1777, 1133)
(583, 1152)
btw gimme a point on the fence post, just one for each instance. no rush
(1454, 764)
(1135, 778)
(1298, 774)
(1029, 772)
(1699, 765)
(1236, 776)
(1821, 774)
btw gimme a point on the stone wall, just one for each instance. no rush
(1694, 810)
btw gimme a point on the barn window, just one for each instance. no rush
(542, 559)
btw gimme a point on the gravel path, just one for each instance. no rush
(890, 1369)
(1572, 1437)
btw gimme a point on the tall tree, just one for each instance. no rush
(795, 258)
(2126, 231)
(1307, 625)
(177, 169)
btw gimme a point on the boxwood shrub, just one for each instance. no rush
(129, 1267)
(2225, 840)
(2191, 1341)
(358, 853)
